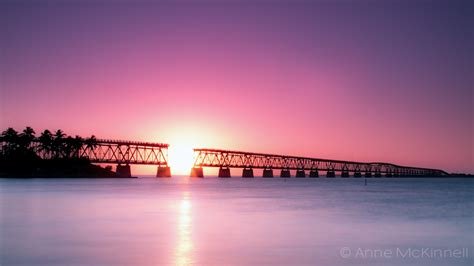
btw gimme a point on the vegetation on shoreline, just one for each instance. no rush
(23, 154)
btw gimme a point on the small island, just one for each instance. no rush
(23, 154)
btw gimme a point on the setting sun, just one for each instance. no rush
(181, 158)
(183, 137)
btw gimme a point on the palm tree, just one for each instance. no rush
(91, 143)
(46, 143)
(68, 147)
(58, 143)
(10, 136)
(26, 138)
(77, 145)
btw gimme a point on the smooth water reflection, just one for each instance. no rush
(184, 247)
(211, 221)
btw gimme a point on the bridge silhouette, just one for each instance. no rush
(248, 161)
(125, 153)
(122, 153)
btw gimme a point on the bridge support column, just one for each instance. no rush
(357, 174)
(224, 172)
(368, 174)
(247, 172)
(313, 173)
(267, 173)
(163, 171)
(197, 172)
(377, 174)
(345, 173)
(331, 173)
(285, 173)
(300, 173)
(388, 174)
(123, 171)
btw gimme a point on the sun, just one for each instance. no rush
(183, 136)
(181, 158)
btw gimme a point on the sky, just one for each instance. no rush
(353, 80)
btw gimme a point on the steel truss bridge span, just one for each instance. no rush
(106, 151)
(126, 152)
(225, 159)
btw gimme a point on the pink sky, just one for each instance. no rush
(326, 81)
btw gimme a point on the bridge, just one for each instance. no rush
(120, 152)
(248, 161)
(124, 153)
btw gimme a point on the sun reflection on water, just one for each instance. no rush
(184, 245)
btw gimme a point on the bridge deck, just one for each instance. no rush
(126, 152)
(250, 160)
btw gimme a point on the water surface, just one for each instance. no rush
(212, 221)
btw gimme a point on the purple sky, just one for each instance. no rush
(357, 80)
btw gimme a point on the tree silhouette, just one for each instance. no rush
(58, 143)
(72, 146)
(46, 143)
(91, 142)
(68, 147)
(51, 154)
(26, 138)
(77, 145)
(10, 136)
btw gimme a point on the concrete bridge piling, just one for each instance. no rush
(313, 173)
(247, 172)
(197, 172)
(285, 173)
(268, 173)
(224, 172)
(163, 171)
(300, 173)
(123, 170)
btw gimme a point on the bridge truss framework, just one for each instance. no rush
(125, 153)
(225, 159)
(120, 152)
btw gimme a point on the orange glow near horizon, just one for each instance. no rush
(182, 141)
(180, 153)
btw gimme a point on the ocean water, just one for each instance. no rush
(236, 221)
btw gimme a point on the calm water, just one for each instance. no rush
(211, 221)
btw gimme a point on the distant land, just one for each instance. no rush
(19, 156)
